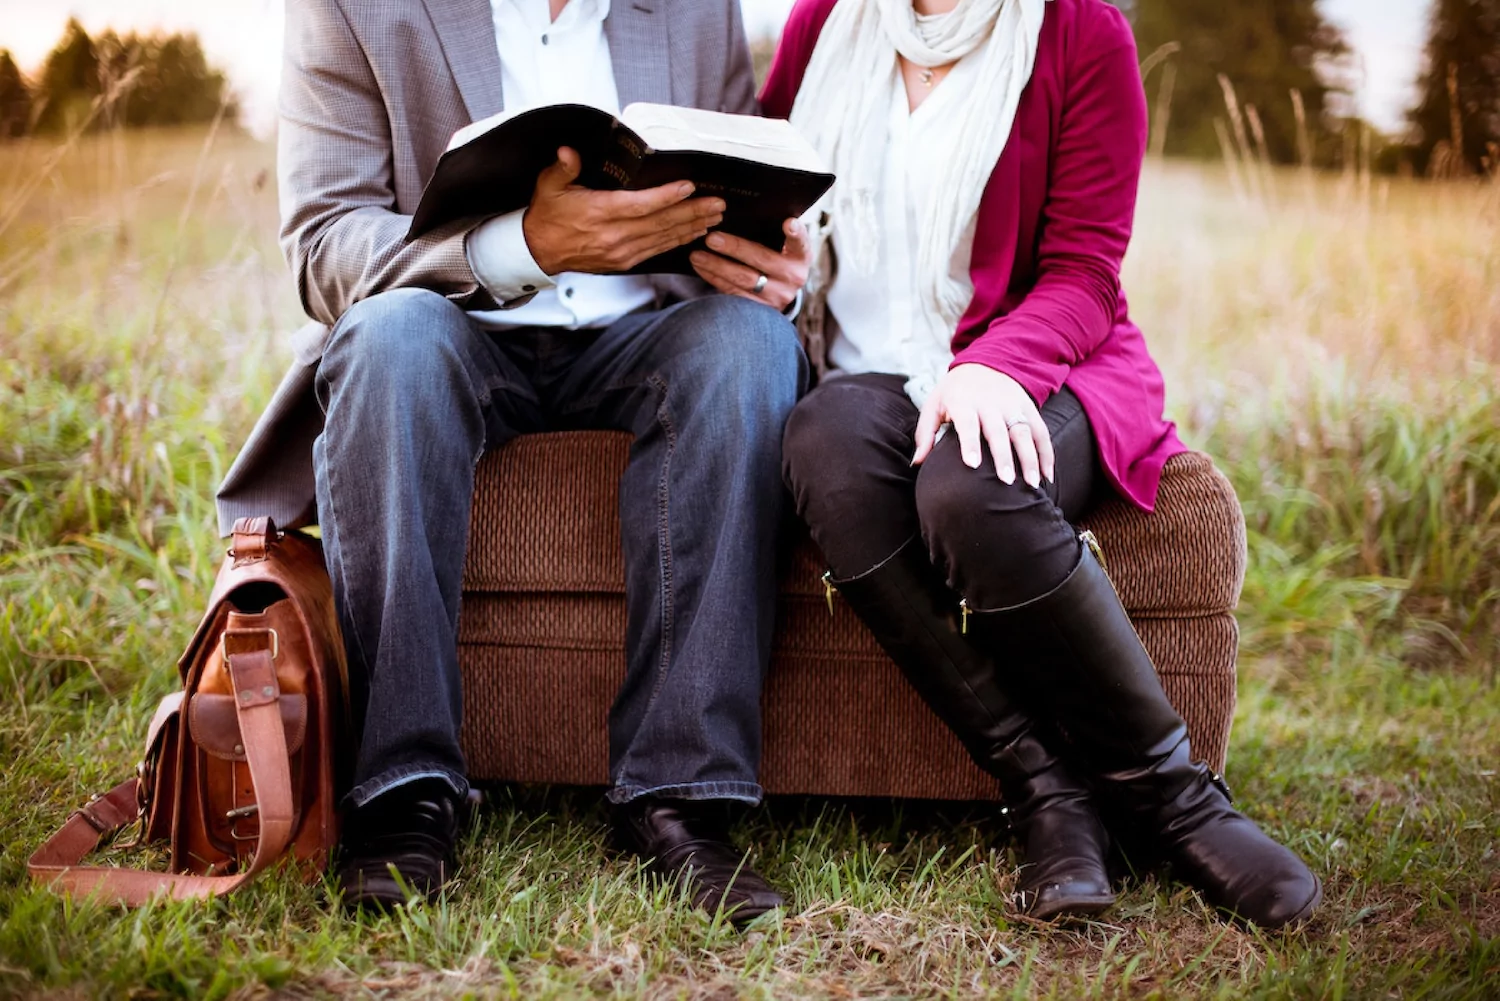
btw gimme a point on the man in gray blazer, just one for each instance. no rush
(425, 354)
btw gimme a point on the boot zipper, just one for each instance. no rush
(828, 589)
(1092, 541)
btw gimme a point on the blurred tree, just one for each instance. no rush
(1458, 120)
(146, 79)
(69, 82)
(15, 99)
(1266, 49)
(163, 79)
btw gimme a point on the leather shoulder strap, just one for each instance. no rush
(55, 864)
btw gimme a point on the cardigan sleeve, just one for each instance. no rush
(793, 53)
(1086, 219)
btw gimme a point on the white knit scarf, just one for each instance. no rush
(842, 109)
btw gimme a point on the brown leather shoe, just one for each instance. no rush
(398, 845)
(689, 841)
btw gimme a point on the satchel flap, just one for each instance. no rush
(215, 726)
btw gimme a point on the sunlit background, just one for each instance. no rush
(244, 37)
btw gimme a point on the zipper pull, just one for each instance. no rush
(1092, 541)
(828, 589)
(963, 615)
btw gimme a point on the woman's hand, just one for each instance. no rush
(737, 266)
(981, 401)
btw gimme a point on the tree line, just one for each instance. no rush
(1271, 76)
(1279, 74)
(112, 81)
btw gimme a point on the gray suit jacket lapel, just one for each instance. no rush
(466, 29)
(637, 35)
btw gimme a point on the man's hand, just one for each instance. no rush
(573, 228)
(737, 266)
(981, 401)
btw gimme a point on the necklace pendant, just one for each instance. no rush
(926, 76)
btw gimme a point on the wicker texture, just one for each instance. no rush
(527, 533)
(542, 633)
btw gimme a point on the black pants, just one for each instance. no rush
(847, 455)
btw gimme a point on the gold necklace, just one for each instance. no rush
(926, 75)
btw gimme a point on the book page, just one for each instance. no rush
(765, 140)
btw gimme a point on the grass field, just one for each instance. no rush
(1334, 342)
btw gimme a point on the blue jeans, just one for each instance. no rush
(415, 393)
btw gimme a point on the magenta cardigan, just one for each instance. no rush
(1053, 226)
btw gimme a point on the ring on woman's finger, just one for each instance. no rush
(1019, 423)
(760, 285)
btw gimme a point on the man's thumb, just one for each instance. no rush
(564, 172)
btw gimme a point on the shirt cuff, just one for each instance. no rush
(794, 307)
(502, 262)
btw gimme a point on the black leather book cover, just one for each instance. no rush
(495, 172)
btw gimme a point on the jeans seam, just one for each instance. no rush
(338, 556)
(664, 547)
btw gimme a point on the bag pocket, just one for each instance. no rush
(227, 793)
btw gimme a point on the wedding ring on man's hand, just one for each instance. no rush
(760, 285)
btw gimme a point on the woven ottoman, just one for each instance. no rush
(541, 634)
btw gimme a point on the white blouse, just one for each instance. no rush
(880, 321)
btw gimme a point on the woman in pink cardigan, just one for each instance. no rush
(983, 386)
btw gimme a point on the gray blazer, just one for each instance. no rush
(371, 92)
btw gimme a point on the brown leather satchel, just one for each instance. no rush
(244, 764)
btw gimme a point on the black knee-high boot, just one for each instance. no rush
(1109, 700)
(911, 613)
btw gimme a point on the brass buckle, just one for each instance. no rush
(86, 812)
(236, 815)
(275, 642)
(107, 831)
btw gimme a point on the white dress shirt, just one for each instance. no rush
(550, 62)
(882, 323)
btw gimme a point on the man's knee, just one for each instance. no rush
(752, 346)
(397, 333)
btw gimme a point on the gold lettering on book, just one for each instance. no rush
(628, 142)
(711, 188)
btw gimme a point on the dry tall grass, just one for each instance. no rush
(1334, 342)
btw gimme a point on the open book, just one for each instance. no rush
(762, 167)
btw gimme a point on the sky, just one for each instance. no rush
(244, 37)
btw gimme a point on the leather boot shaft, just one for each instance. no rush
(914, 616)
(1106, 696)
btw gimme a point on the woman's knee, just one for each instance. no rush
(825, 447)
(999, 544)
(846, 460)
